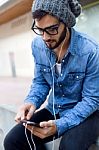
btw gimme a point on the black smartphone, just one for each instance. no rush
(30, 123)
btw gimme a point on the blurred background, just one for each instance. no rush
(16, 34)
(16, 62)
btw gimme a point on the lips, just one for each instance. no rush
(49, 42)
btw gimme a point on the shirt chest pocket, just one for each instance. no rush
(46, 71)
(74, 82)
(73, 77)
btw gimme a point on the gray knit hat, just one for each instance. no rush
(64, 10)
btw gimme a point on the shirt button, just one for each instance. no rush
(63, 95)
(63, 60)
(61, 74)
(44, 69)
(77, 77)
(59, 106)
(60, 85)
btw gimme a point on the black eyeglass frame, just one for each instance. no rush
(56, 26)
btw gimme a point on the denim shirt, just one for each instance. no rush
(74, 94)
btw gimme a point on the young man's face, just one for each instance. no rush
(56, 31)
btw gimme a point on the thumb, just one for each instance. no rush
(49, 123)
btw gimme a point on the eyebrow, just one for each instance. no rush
(48, 26)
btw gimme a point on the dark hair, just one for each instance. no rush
(38, 14)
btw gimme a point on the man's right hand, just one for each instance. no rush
(25, 112)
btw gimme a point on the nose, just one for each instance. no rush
(46, 36)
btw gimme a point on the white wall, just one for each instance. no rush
(16, 37)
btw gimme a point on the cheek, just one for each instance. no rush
(56, 38)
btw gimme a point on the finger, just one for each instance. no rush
(49, 123)
(30, 112)
(36, 131)
(33, 128)
(18, 118)
(21, 113)
(39, 132)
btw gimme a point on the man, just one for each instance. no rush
(67, 71)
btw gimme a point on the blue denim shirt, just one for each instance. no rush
(75, 92)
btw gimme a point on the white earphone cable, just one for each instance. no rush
(53, 92)
(27, 137)
(53, 95)
(33, 140)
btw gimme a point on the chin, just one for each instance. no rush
(50, 46)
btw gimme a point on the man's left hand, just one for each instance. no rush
(46, 129)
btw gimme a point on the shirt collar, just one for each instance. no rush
(73, 42)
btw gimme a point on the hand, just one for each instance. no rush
(25, 112)
(46, 129)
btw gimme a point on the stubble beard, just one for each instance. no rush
(61, 39)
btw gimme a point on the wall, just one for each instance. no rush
(16, 37)
(15, 47)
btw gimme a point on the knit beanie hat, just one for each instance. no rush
(65, 10)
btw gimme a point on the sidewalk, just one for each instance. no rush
(13, 90)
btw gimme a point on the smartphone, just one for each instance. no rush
(30, 123)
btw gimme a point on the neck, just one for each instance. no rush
(62, 49)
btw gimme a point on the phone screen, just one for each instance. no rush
(30, 123)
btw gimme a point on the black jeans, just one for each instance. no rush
(77, 138)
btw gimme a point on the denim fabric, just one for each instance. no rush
(75, 92)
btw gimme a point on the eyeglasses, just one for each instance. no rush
(51, 30)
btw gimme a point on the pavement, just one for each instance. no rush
(14, 90)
